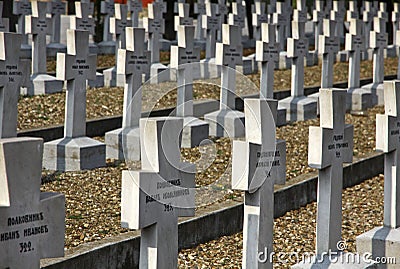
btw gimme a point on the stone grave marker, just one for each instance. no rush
(298, 106)
(237, 16)
(227, 121)
(378, 42)
(107, 46)
(134, 8)
(384, 241)
(32, 223)
(395, 20)
(330, 145)
(223, 11)
(75, 151)
(267, 53)
(14, 73)
(153, 198)
(56, 8)
(82, 21)
(318, 16)
(124, 143)
(212, 24)
(183, 17)
(337, 14)
(397, 46)
(352, 12)
(357, 98)
(281, 19)
(118, 23)
(21, 8)
(155, 27)
(257, 165)
(329, 45)
(200, 11)
(38, 25)
(4, 22)
(271, 8)
(176, 5)
(183, 57)
(368, 17)
(259, 16)
(300, 13)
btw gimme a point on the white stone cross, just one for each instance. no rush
(39, 26)
(13, 74)
(329, 45)
(118, 23)
(223, 11)
(259, 16)
(82, 21)
(257, 165)
(388, 141)
(155, 27)
(183, 17)
(133, 62)
(229, 54)
(107, 10)
(352, 12)
(4, 22)
(76, 67)
(368, 17)
(329, 146)
(22, 8)
(337, 14)
(134, 8)
(378, 42)
(56, 8)
(200, 10)
(237, 16)
(318, 16)
(395, 20)
(32, 223)
(354, 44)
(300, 13)
(153, 198)
(212, 23)
(281, 19)
(184, 54)
(176, 5)
(268, 54)
(297, 49)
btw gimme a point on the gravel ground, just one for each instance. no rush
(295, 231)
(93, 197)
(39, 111)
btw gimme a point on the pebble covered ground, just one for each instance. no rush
(295, 231)
(93, 197)
(95, 214)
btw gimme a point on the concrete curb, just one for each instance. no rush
(122, 251)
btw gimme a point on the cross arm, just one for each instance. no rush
(354, 43)
(387, 133)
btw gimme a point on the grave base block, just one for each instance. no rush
(311, 58)
(381, 242)
(246, 67)
(377, 92)
(43, 84)
(208, 69)
(54, 48)
(106, 47)
(299, 108)
(281, 117)
(158, 73)
(93, 48)
(226, 123)
(74, 154)
(99, 82)
(123, 144)
(358, 99)
(391, 51)
(315, 96)
(338, 261)
(200, 44)
(194, 132)
(342, 56)
(112, 79)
